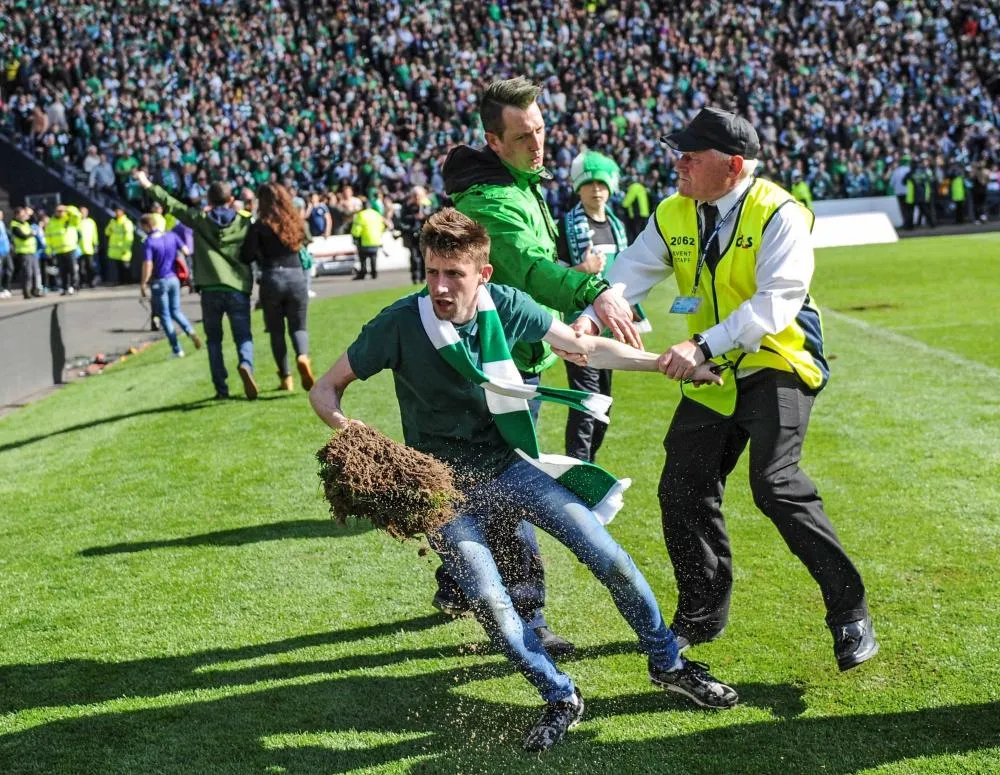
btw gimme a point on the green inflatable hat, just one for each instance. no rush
(591, 165)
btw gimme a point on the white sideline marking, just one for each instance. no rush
(887, 334)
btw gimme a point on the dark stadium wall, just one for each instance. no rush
(36, 353)
(22, 176)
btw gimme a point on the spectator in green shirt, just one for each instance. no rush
(446, 415)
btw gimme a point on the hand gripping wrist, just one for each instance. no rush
(699, 340)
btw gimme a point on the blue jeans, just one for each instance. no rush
(462, 546)
(236, 305)
(166, 294)
(517, 554)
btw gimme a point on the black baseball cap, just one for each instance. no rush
(714, 128)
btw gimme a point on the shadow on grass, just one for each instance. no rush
(190, 406)
(87, 681)
(275, 395)
(320, 725)
(422, 722)
(276, 531)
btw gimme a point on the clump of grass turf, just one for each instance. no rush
(367, 475)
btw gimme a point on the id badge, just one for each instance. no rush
(685, 305)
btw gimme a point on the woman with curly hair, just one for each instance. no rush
(273, 242)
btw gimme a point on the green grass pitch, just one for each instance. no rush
(175, 599)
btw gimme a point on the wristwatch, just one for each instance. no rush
(699, 340)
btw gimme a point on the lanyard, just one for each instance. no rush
(715, 234)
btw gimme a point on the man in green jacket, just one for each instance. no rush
(223, 280)
(499, 186)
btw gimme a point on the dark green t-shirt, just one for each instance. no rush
(444, 414)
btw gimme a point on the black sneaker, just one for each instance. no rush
(854, 643)
(556, 720)
(555, 645)
(695, 682)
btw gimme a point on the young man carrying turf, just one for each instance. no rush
(462, 401)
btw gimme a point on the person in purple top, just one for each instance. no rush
(160, 253)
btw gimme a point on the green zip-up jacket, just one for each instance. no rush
(218, 237)
(509, 203)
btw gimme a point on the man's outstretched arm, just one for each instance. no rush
(328, 391)
(600, 353)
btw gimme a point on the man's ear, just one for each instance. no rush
(735, 165)
(493, 141)
(486, 273)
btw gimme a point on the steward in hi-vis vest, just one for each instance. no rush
(62, 234)
(727, 285)
(25, 246)
(741, 251)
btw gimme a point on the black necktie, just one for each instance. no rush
(709, 215)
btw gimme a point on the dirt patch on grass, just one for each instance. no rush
(875, 306)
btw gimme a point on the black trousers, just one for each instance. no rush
(584, 434)
(924, 215)
(772, 414)
(634, 226)
(412, 242)
(961, 210)
(369, 255)
(284, 295)
(88, 269)
(906, 210)
(69, 271)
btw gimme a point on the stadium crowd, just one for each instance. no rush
(324, 94)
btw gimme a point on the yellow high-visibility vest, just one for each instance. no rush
(368, 228)
(23, 246)
(88, 236)
(59, 236)
(636, 201)
(120, 233)
(797, 348)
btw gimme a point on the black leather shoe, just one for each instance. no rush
(854, 643)
(684, 641)
(451, 605)
(556, 646)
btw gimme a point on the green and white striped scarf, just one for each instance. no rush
(507, 398)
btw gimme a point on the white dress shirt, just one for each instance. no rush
(785, 265)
